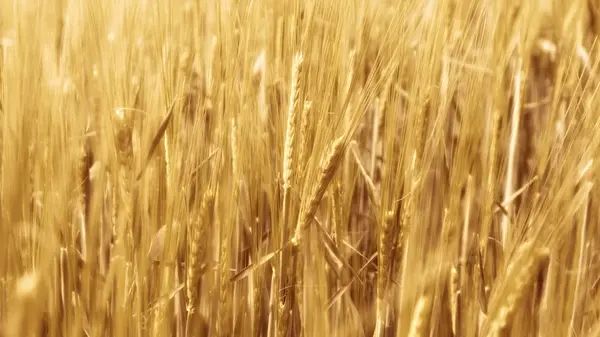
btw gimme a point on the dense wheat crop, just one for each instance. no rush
(278, 168)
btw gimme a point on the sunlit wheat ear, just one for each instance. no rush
(292, 121)
(419, 325)
(328, 169)
(25, 316)
(522, 271)
(197, 240)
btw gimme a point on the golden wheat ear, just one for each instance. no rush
(512, 289)
(197, 246)
(290, 139)
(328, 169)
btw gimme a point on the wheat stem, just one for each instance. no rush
(514, 134)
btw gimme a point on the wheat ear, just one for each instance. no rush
(519, 276)
(290, 137)
(328, 169)
(288, 174)
(197, 248)
(123, 124)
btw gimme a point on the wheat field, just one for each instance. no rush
(282, 168)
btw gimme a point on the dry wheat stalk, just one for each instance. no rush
(258, 294)
(387, 238)
(234, 151)
(374, 197)
(82, 197)
(336, 213)
(273, 302)
(304, 135)
(511, 169)
(284, 310)
(453, 288)
(377, 117)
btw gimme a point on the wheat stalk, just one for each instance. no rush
(454, 290)
(258, 294)
(386, 247)
(304, 135)
(510, 165)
